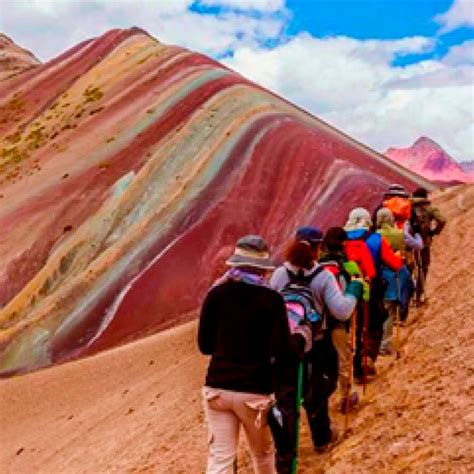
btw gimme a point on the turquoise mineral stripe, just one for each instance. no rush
(122, 184)
(127, 261)
(160, 109)
(180, 156)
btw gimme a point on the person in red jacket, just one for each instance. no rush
(358, 228)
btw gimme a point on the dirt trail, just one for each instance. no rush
(137, 408)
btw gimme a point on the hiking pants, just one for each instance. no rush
(341, 341)
(378, 314)
(388, 325)
(225, 412)
(377, 317)
(322, 374)
(320, 381)
(425, 257)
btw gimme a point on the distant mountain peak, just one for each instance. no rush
(428, 159)
(426, 142)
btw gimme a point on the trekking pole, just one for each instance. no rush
(397, 320)
(350, 375)
(365, 344)
(299, 395)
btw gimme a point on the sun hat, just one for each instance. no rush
(251, 251)
(385, 216)
(312, 235)
(359, 218)
(396, 190)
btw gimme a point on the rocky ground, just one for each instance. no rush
(137, 408)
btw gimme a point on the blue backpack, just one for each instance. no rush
(299, 303)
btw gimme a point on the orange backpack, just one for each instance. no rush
(401, 209)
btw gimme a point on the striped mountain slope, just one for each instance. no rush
(128, 168)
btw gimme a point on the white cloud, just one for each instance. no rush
(462, 54)
(260, 5)
(350, 83)
(60, 24)
(460, 14)
(353, 85)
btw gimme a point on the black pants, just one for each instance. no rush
(320, 381)
(377, 315)
(423, 261)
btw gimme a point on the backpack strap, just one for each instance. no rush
(301, 278)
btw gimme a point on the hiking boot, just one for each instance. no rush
(371, 370)
(336, 437)
(347, 405)
(387, 350)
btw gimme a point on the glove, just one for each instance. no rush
(352, 268)
(355, 288)
(365, 291)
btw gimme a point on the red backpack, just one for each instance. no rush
(358, 251)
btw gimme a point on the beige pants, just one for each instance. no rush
(341, 341)
(225, 411)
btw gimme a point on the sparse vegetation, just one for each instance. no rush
(93, 93)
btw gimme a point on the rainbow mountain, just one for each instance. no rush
(129, 168)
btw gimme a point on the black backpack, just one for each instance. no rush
(299, 303)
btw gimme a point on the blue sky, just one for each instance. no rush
(382, 19)
(384, 71)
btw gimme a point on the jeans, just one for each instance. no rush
(388, 325)
(226, 411)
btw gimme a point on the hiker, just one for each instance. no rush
(396, 198)
(358, 227)
(243, 326)
(320, 363)
(430, 222)
(398, 201)
(334, 259)
(399, 284)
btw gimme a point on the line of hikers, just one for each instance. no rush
(321, 320)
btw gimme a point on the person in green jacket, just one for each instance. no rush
(399, 284)
(430, 222)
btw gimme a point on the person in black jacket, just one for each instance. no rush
(243, 326)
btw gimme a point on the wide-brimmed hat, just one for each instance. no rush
(312, 235)
(251, 251)
(359, 218)
(396, 190)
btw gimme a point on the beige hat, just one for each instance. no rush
(251, 251)
(384, 216)
(359, 218)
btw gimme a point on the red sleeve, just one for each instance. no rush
(388, 257)
(366, 261)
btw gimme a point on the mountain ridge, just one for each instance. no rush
(427, 158)
(126, 163)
